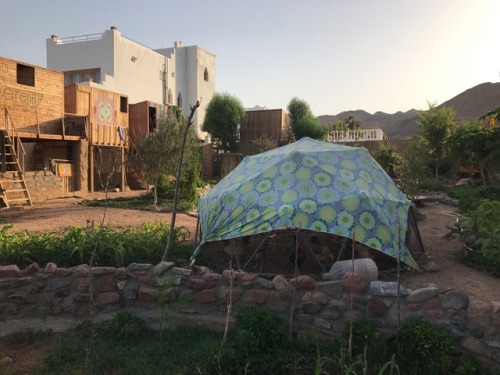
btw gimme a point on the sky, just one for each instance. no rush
(337, 55)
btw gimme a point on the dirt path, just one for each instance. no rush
(57, 215)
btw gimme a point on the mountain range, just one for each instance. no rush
(468, 105)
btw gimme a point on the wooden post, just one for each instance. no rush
(123, 169)
(91, 169)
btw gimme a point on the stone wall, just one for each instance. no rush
(44, 185)
(58, 298)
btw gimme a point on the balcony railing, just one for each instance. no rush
(361, 135)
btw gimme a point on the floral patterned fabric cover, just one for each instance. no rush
(313, 185)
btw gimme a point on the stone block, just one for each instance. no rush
(255, 296)
(454, 300)
(332, 288)
(281, 283)
(223, 294)
(107, 298)
(303, 282)
(133, 267)
(421, 295)
(10, 271)
(161, 267)
(200, 284)
(387, 289)
(206, 296)
(31, 269)
(356, 283)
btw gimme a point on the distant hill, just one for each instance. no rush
(469, 105)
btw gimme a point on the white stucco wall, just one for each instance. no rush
(127, 67)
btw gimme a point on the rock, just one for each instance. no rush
(200, 284)
(102, 270)
(280, 283)
(55, 284)
(387, 289)
(421, 295)
(377, 307)
(431, 266)
(182, 271)
(311, 307)
(365, 266)
(31, 269)
(332, 288)
(264, 283)
(454, 300)
(303, 282)
(206, 296)
(473, 345)
(131, 291)
(255, 296)
(132, 267)
(107, 298)
(355, 282)
(50, 267)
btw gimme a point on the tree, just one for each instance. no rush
(185, 136)
(304, 124)
(473, 145)
(309, 127)
(224, 113)
(411, 167)
(156, 154)
(435, 127)
(298, 109)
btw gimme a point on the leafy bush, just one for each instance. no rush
(423, 348)
(470, 197)
(484, 223)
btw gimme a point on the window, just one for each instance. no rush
(179, 100)
(123, 104)
(169, 96)
(25, 75)
(205, 75)
(90, 75)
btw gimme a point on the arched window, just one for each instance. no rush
(169, 96)
(179, 100)
(205, 75)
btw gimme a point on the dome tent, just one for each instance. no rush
(311, 185)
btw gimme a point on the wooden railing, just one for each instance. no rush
(18, 145)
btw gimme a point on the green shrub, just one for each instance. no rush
(423, 348)
(125, 325)
(484, 222)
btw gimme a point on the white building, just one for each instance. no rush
(176, 76)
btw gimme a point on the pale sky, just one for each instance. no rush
(337, 55)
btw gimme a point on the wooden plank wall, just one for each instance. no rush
(138, 120)
(267, 123)
(103, 110)
(31, 108)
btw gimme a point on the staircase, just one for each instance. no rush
(13, 189)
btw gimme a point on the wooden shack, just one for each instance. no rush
(36, 135)
(143, 118)
(271, 124)
(108, 132)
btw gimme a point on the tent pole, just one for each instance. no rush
(235, 252)
(342, 248)
(196, 232)
(257, 250)
(412, 221)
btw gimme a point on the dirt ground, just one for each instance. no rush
(60, 214)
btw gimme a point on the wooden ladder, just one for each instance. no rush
(13, 188)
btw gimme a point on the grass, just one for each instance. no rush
(144, 202)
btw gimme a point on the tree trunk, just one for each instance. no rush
(177, 182)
